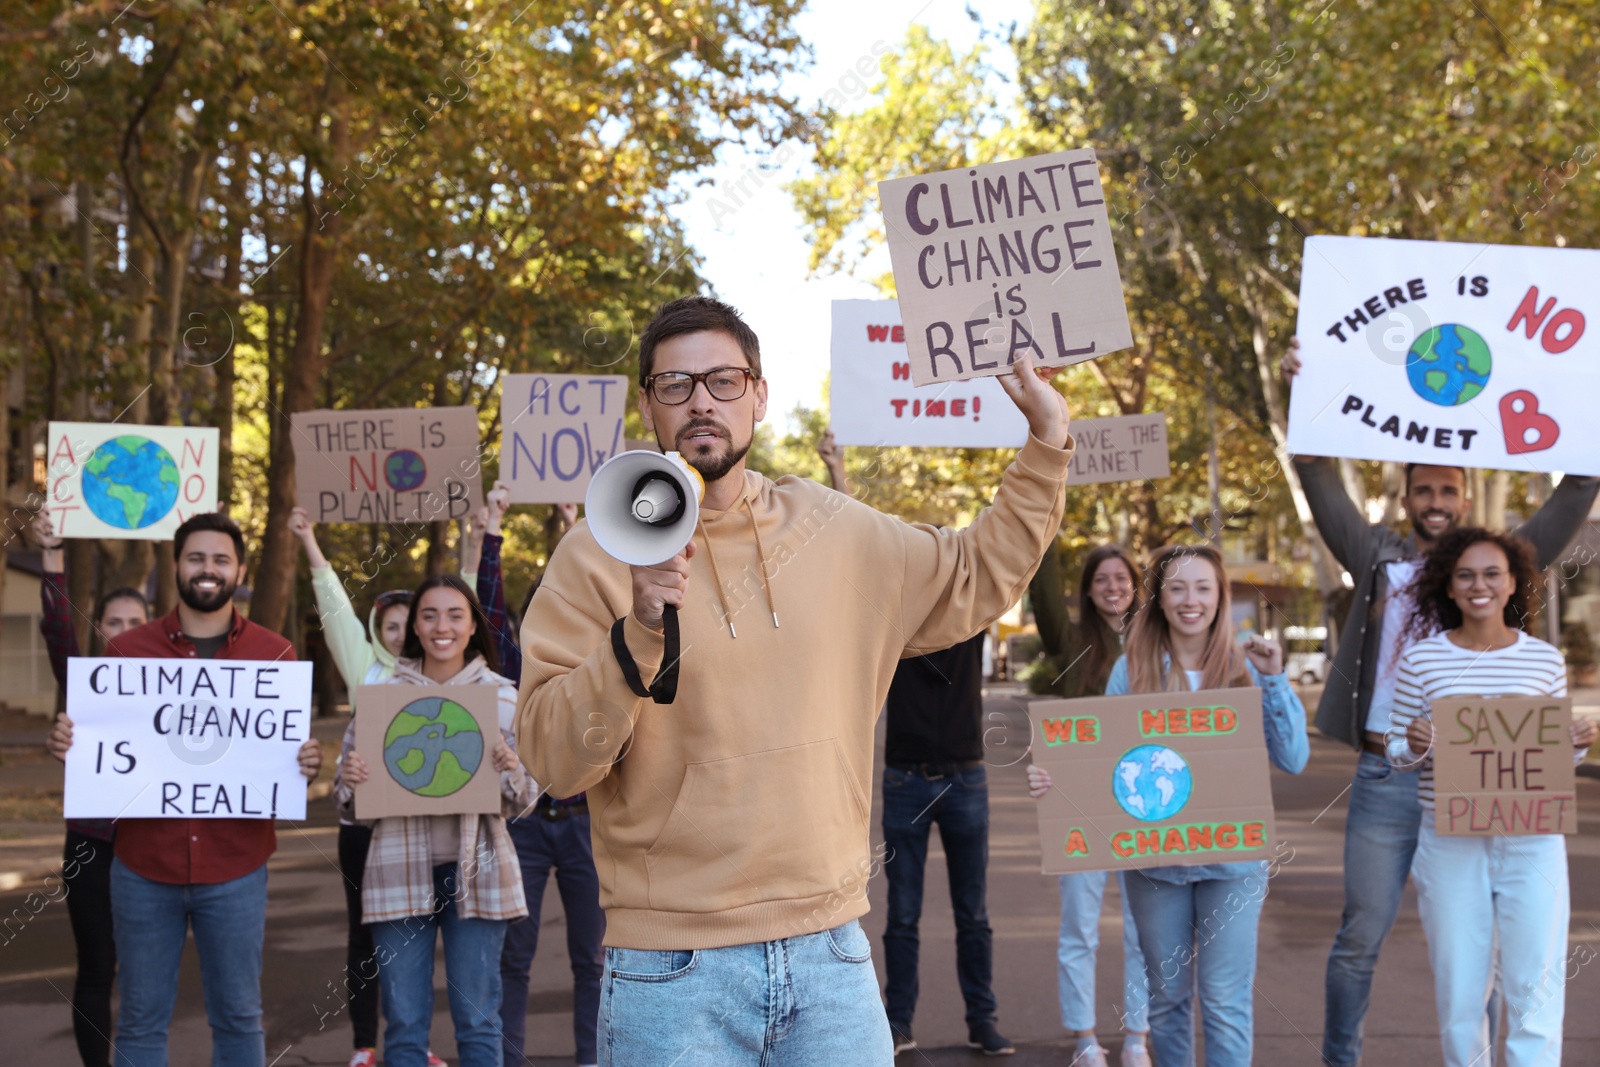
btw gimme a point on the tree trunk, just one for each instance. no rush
(319, 251)
(222, 404)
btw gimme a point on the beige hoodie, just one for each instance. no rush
(739, 813)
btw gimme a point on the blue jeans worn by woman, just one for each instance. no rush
(912, 805)
(151, 921)
(1082, 896)
(472, 977)
(800, 1002)
(1200, 933)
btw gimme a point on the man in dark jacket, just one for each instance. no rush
(1383, 815)
(209, 874)
(933, 773)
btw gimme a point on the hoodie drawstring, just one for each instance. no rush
(761, 559)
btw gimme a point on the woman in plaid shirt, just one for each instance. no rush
(457, 874)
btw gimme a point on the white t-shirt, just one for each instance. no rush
(1396, 610)
(1195, 678)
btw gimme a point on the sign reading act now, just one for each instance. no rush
(1154, 779)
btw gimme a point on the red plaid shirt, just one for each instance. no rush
(196, 851)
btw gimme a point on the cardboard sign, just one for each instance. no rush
(1502, 766)
(872, 400)
(1122, 448)
(1153, 780)
(429, 749)
(388, 465)
(187, 738)
(1457, 354)
(131, 482)
(557, 429)
(994, 261)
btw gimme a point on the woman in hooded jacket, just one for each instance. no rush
(457, 874)
(361, 660)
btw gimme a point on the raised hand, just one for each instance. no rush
(1040, 402)
(1264, 655)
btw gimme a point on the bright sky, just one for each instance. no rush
(755, 258)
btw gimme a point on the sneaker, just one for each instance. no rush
(434, 1061)
(1136, 1055)
(1093, 1056)
(363, 1057)
(984, 1036)
(903, 1041)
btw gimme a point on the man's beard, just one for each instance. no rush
(1452, 523)
(713, 467)
(206, 602)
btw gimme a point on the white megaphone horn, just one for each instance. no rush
(643, 506)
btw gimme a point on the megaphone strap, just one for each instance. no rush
(664, 690)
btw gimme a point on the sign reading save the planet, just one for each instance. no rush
(129, 482)
(1464, 355)
(428, 750)
(1150, 780)
(388, 465)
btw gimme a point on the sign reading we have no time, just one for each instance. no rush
(1153, 779)
(1502, 766)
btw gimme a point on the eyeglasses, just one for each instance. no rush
(676, 387)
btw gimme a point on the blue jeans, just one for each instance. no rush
(959, 804)
(1199, 934)
(1077, 945)
(150, 921)
(1380, 837)
(404, 949)
(565, 846)
(799, 1002)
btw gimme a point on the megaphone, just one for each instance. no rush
(643, 506)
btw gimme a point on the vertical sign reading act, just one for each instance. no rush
(1008, 258)
(388, 465)
(556, 430)
(129, 482)
(1502, 766)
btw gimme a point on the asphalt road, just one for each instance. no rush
(305, 949)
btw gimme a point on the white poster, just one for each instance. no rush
(187, 738)
(872, 400)
(1003, 259)
(556, 430)
(132, 482)
(1463, 355)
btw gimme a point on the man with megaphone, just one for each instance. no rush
(727, 753)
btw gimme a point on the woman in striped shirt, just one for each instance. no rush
(1472, 595)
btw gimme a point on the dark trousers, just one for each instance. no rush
(564, 846)
(86, 870)
(959, 804)
(361, 970)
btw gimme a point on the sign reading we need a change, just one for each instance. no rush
(1502, 766)
(186, 738)
(1153, 779)
(1464, 355)
(129, 482)
(388, 464)
(556, 430)
(1002, 260)
(873, 401)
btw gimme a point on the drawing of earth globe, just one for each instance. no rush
(130, 482)
(1152, 782)
(1448, 365)
(404, 469)
(432, 747)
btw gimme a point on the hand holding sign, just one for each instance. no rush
(1040, 402)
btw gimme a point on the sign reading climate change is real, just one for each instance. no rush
(177, 739)
(129, 482)
(1155, 779)
(1463, 355)
(388, 465)
(1002, 260)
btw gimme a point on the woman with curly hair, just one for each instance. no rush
(1472, 597)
